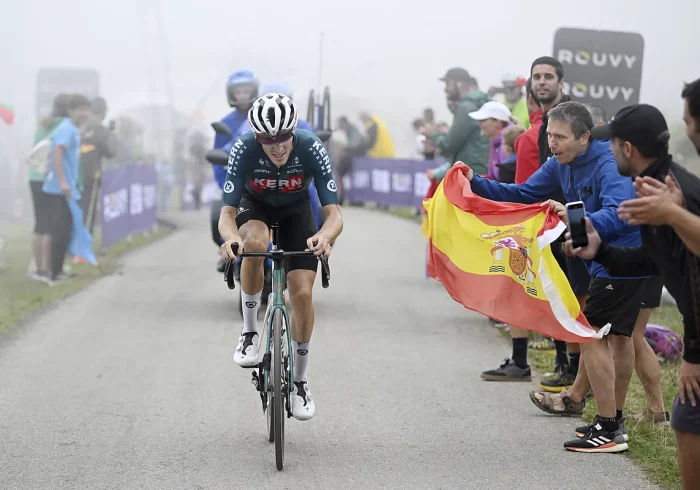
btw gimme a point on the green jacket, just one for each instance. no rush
(464, 141)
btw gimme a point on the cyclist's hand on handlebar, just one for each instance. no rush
(230, 248)
(319, 245)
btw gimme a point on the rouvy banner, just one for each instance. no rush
(390, 182)
(53, 81)
(601, 67)
(129, 199)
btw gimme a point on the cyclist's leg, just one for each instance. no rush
(252, 220)
(295, 230)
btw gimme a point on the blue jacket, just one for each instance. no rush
(592, 178)
(237, 122)
(233, 120)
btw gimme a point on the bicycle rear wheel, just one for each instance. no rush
(278, 405)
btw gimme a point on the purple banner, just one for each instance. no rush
(129, 197)
(390, 182)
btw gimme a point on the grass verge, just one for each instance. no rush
(21, 296)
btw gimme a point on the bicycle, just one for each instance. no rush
(274, 378)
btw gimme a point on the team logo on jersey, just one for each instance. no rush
(228, 187)
(285, 185)
(296, 161)
(331, 186)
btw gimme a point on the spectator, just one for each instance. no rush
(97, 143)
(355, 148)
(508, 166)
(430, 151)
(669, 215)
(580, 164)
(493, 118)
(464, 141)
(41, 239)
(646, 364)
(61, 182)
(378, 143)
(597, 113)
(515, 101)
(547, 76)
(419, 148)
(526, 147)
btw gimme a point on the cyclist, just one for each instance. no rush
(242, 88)
(269, 172)
(280, 88)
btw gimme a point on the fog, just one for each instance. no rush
(384, 55)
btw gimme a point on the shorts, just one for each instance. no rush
(614, 301)
(42, 208)
(296, 221)
(685, 418)
(651, 298)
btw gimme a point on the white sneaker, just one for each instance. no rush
(303, 406)
(247, 350)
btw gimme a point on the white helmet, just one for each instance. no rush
(272, 116)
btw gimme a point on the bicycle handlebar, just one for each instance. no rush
(228, 269)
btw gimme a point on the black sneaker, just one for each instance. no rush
(583, 430)
(508, 371)
(558, 384)
(62, 278)
(598, 440)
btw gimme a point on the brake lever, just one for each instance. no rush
(230, 267)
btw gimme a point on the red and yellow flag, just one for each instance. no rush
(495, 258)
(7, 113)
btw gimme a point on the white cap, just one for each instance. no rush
(492, 110)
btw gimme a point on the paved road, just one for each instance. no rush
(131, 384)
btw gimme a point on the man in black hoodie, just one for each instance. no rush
(547, 75)
(668, 212)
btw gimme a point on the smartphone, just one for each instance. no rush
(576, 214)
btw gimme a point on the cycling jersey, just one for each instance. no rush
(250, 169)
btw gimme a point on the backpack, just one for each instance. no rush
(667, 344)
(38, 158)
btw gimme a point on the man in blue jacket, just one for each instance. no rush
(586, 171)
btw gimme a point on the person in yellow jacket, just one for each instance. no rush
(378, 140)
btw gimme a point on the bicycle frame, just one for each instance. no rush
(279, 279)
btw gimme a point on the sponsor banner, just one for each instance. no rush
(390, 182)
(601, 67)
(129, 200)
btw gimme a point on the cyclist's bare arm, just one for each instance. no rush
(228, 231)
(333, 225)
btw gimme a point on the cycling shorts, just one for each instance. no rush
(296, 225)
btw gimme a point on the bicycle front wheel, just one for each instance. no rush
(278, 392)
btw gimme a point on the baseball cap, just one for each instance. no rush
(457, 74)
(492, 110)
(643, 125)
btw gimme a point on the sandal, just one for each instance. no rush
(546, 403)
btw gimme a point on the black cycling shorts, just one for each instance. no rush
(296, 225)
(615, 301)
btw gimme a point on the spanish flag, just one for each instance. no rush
(495, 258)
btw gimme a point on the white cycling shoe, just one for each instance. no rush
(246, 354)
(303, 406)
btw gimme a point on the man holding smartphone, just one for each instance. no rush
(667, 209)
(586, 171)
